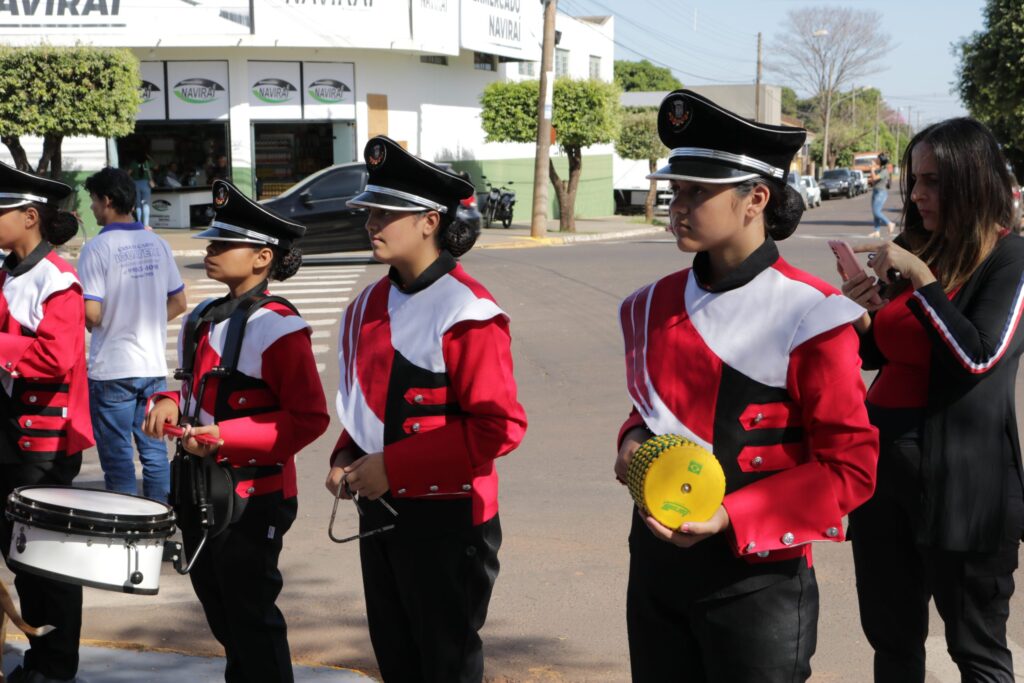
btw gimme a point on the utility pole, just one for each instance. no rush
(898, 128)
(757, 83)
(539, 220)
(878, 100)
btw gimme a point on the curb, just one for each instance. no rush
(516, 243)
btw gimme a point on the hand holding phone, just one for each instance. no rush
(849, 265)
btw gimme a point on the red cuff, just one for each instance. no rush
(12, 348)
(433, 463)
(760, 522)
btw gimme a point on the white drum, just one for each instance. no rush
(101, 539)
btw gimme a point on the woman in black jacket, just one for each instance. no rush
(947, 515)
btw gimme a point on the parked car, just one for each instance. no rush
(319, 202)
(836, 182)
(793, 180)
(860, 181)
(813, 191)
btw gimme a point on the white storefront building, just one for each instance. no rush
(281, 88)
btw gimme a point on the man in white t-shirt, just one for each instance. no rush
(132, 288)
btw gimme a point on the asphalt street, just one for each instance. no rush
(559, 603)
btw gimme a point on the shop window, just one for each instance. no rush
(561, 62)
(595, 67)
(440, 60)
(285, 153)
(485, 62)
(179, 154)
(527, 69)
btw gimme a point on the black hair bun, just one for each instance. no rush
(63, 227)
(286, 263)
(782, 216)
(459, 237)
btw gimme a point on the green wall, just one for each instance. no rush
(594, 196)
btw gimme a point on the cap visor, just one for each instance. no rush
(379, 200)
(222, 235)
(699, 171)
(12, 202)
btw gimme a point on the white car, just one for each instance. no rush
(813, 191)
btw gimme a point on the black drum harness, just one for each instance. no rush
(203, 490)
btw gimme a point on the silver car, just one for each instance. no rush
(813, 191)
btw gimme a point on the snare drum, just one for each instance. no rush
(675, 480)
(101, 539)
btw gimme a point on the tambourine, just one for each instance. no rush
(675, 480)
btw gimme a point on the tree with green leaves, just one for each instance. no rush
(585, 113)
(58, 92)
(639, 141)
(991, 78)
(643, 76)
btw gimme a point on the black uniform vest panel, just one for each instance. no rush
(30, 398)
(735, 394)
(235, 382)
(399, 409)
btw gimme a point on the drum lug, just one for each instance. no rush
(21, 541)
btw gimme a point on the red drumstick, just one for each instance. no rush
(205, 439)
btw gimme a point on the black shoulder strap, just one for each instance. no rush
(189, 340)
(237, 324)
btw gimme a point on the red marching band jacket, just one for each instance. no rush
(42, 356)
(766, 376)
(272, 407)
(426, 378)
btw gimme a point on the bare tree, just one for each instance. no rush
(824, 49)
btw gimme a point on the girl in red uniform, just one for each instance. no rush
(756, 361)
(44, 405)
(428, 402)
(947, 518)
(268, 407)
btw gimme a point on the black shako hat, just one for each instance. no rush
(714, 145)
(237, 218)
(400, 181)
(18, 188)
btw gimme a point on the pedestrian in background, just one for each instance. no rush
(142, 174)
(756, 361)
(428, 401)
(946, 519)
(879, 181)
(44, 409)
(132, 289)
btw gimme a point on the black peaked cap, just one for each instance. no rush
(712, 144)
(237, 218)
(18, 188)
(399, 181)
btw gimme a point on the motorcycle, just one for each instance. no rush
(499, 205)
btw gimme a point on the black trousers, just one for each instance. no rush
(428, 585)
(237, 581)
(45, 601)
(766, 635)
(896, 578)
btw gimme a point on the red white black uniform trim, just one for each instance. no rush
(42, 357)
(763, 370)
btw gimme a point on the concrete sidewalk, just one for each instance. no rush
(518, 236)
(114, 665)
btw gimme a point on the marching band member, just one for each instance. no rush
(45, 399)
(268, 407)
(428, 402)
(756, 361)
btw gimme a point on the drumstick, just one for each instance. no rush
(178, 432)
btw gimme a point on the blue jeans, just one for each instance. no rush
(118, 408)
(878, 197)
(143, 199)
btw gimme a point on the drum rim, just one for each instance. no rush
(55, 517)
(15, 565)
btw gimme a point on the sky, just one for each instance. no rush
(715, 41)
